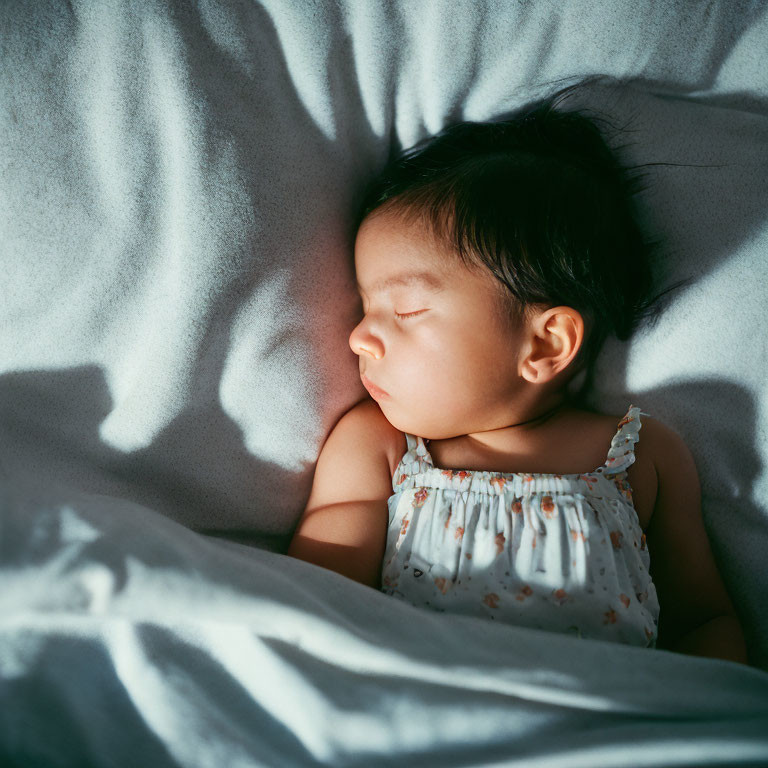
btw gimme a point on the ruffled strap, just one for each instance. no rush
(412, 442)
(416, 459)
(417, 447)
(622, 452)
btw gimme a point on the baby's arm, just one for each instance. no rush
(697, 616)
(344, 527)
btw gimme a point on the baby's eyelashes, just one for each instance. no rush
(409, 314)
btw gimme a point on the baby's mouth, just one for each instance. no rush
(375, 392)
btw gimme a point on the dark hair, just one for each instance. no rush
(542, 202)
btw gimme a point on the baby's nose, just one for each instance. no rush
(361, 341)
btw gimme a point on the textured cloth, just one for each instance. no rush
(561, 552)
(176, 650)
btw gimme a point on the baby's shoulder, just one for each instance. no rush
(663, 445)
(357, 447)
(390, 440)
(660, 452)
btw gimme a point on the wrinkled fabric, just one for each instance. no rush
(127, 640)
(560, 552)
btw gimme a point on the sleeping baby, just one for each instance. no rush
(493, 260)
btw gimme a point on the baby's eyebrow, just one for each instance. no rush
(427, 280)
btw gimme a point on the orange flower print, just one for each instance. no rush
(576, 535)
(460, 473)
(609, 617)
(404, 527)
(560, 596)
(624, 599)
(642, 542)
(528, 479)
(401, 479)
(459, 534)
(625, 420)
(590, 481)
(517, 507)
(500, 481)
(524, 592)
(623, 487)
(648, 634)
(491, 600)
(448, 519)
(499, 543)
(420, 497)
(548, 507)
(616, 537)
(469, 555)
(442, 584)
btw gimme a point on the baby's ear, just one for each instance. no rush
(556, 336)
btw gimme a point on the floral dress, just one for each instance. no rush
(558, 552)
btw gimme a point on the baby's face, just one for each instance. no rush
(436, 346)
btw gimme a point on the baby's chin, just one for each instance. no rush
(412, 425)
(399, 421)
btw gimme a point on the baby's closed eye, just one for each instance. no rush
(406, 315)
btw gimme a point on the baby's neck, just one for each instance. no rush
(542, 417)
(545, 412)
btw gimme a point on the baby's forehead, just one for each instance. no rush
(399, 224)
(413, 278)
(390, 253)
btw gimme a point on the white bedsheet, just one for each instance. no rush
(128, 640)
(177, 182)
